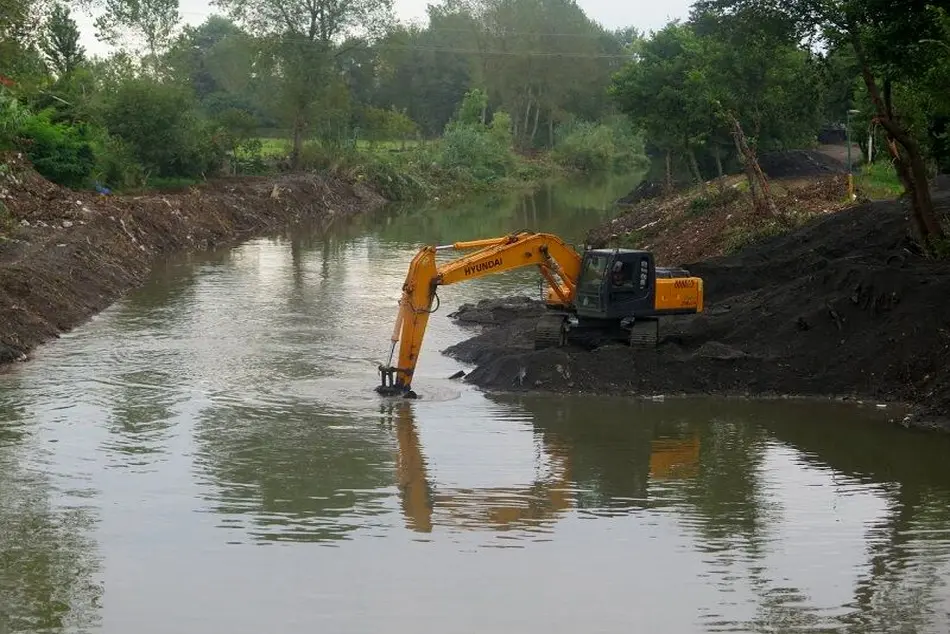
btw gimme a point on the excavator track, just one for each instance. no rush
(550, 332)
(645, 333)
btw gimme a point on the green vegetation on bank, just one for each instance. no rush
(488, 94)
(416, 111)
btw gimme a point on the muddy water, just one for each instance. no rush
(208, 456)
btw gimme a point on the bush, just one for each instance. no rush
(61, 153)
(160, 125)
(599, 147)
(482, 150)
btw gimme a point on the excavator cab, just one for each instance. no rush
(615, 283)
(620, 296)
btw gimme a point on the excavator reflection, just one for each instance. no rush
(544, 501)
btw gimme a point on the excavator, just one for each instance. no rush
(606, 294)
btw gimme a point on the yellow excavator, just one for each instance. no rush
(617, 294)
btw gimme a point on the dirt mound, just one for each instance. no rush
(800, 164)
(67, 255)
(696, 223)
(498, 311)
(839, 308)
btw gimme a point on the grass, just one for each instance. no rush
(279, 147)
(878, 181)
(742, 236)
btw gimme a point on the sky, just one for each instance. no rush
(644, 14)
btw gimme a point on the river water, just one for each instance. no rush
(208, 456)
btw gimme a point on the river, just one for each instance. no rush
(208, 455)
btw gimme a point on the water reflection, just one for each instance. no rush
(281, 472)
(233, 393)
(532, 508)
(47, 560)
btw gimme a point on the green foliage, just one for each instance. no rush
(474, 148)
(599, 147)
(878, 181)
(689, 79)
(160, 125)
(62, 153)
(472, 108)
(60, 41)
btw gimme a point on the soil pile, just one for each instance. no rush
(65, 255)
(697, 223)
(841, 307)
(800, 164)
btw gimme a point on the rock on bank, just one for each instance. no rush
(840, 308)
(66, 255)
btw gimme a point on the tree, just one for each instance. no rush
(892, 47)
(154, 21)
(304, 40)
(61, 41)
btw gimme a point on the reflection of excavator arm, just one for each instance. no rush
(559, 264)
(488, 508)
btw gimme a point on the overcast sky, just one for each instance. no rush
(643, 14)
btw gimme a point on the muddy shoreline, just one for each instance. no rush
(68, 255)
(842, 308)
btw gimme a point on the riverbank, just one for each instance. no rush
(842, 307)
(66, 255)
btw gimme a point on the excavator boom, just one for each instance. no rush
(612, 293)
(558, 262)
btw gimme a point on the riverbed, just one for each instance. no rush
(208, 455)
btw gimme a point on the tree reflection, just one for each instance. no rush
(291, 474)
(46, 558)
(909, 549)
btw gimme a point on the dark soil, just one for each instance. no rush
(800, 164)
(66, 255)
(839, 308)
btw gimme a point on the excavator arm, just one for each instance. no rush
(558, 262)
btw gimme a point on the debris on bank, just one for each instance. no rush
(699, 223)
(66, 255)
(842, 307)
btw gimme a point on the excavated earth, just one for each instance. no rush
(843, 307)
(66, 255)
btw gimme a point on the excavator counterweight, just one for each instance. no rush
(613, 294)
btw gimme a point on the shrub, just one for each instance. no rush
(599, 147)
(160, 125)
(479, 149)
(61, 153)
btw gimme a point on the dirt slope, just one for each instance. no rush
(838, 308)
(65, 255)
(694, 224)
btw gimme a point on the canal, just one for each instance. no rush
(208, 455)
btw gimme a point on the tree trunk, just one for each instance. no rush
(669, 173)
(534, 131)
(717, 154)
(527, 119)
(298, 142)
(551, 129)
(909, 162)
(758, 183)
(694, 166)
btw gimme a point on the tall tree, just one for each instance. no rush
(61, 41)
(893, 43)
(152, 21)
(305, 39)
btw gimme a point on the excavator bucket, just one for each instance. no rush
(389, 384)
